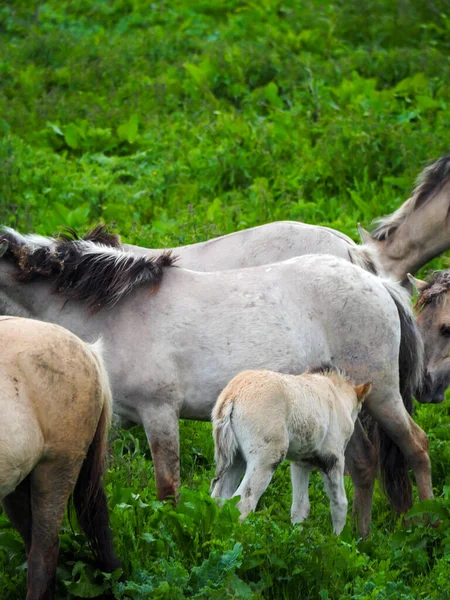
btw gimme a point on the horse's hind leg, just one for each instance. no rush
(256, 479)
(391, 415)
(361, 460)
(51, 485)
(17, 506)
(261, 465)
(161, 427)
(228, 483)
(300, 498)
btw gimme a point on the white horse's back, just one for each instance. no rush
(269, 243)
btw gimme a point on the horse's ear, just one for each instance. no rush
(3, 247)
(418, 284)
(365, 236)
(362, 390)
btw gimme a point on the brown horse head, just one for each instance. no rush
(433, 320)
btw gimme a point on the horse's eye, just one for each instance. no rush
(445, 330)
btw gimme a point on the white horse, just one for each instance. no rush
(170, 353)
(267, 417)
(400, 244)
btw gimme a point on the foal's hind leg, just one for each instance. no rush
(17, 506)
(256, 480)
(51, 485)
(361, 460)
(261, 464)
(228, 483)
(161, 427)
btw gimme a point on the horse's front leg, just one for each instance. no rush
(361, 459)
(300, 498)
(333, 481)
(160, 422)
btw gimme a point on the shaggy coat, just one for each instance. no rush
(170, 353)
(266, 417)
(55, 403)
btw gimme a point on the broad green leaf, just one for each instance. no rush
(425, 507)
(129, 130)
(72, 135)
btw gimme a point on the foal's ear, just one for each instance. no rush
(362, 390)
(418, 284)
(3, 247)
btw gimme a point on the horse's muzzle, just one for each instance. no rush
(433, 389)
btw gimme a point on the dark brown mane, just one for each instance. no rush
(429, 182)
(84, 269)
(437, 286)
(98, 235)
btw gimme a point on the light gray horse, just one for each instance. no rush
(269, 243)
(401, 243)
(170, 353)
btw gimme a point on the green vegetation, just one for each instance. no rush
(177, 121)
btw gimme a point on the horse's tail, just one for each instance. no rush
(394, 469)
(89, 497)
(225, 442)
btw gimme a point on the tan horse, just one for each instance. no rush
(266, 417)
(433, 320)
(55, 403)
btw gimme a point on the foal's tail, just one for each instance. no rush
(393, 465)
(89, 496)
(225, 442)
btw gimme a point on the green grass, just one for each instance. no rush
(177, 121)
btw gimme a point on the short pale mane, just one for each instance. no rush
(327, 368)
(430, 181)
(83, 269)
(437, 287)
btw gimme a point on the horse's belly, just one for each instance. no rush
(302, 449)
(17, 459)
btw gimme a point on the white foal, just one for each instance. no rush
(263, 417)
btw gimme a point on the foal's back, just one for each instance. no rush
(305, 406)
(50, 398)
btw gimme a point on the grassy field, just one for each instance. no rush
(177, 121)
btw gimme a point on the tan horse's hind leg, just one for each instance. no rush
(51, 485)
(17, 506)
(361, 460)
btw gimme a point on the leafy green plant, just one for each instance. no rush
(177, 122)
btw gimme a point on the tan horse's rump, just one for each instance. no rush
(55, 402)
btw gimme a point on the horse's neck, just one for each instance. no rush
(421, 236)
(35, 300)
